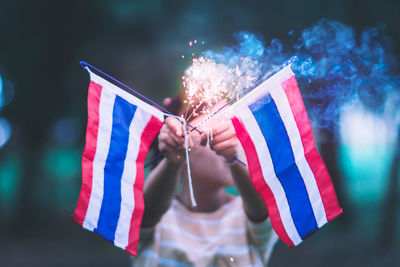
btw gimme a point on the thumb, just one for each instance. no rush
(203, 139)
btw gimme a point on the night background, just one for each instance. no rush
(43, 116)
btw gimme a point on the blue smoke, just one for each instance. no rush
(335, 66)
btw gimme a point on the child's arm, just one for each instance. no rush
(160, 185)
(254, 205)
(226, 144)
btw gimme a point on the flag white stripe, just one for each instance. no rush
(283, 106)
(260, 90)
(268, 172)
(136, 128)
(106, 105)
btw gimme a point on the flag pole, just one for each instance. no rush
(85, 65)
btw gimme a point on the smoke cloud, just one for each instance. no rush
(336, 66)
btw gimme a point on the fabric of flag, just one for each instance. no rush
(285, 167)
(119, 132)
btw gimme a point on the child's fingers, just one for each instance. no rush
(175, 126)
(179, 140)
(221, 146)
(164, 138)
(219, 126)
(223, 136)
(220, 132)
(229, 154)
(172, 132)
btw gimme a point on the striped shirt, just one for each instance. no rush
(225, 237)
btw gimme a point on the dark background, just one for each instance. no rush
(43, 117)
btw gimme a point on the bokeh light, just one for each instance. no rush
(9, 186)
(367, 146)
(7, 92)
(5, 131)
(67, 131)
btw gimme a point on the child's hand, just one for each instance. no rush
(171, 140)
(224, 141)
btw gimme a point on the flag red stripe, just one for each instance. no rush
(149, 133)
(259, 182)
(89, 152)
(324, 182)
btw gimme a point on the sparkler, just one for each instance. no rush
(212, 81)
(208, 83)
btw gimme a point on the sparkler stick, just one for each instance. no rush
(189, 175)
(193, 200)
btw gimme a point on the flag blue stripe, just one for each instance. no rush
(123, 113)
(273, 129)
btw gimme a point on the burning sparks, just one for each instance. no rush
(214, 78)
(194, 45)
(208, 82)
(194, 42)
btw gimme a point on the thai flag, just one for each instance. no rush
(120, 130)
(285, 167)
